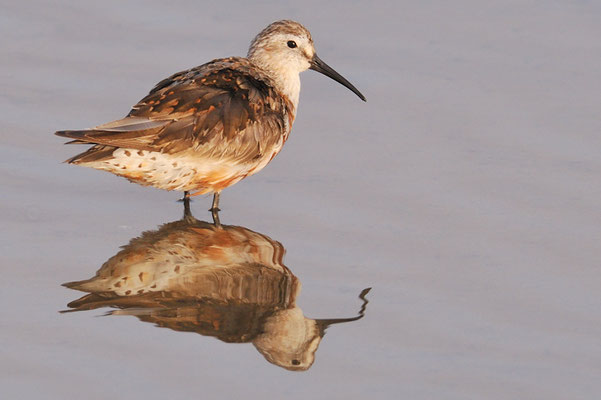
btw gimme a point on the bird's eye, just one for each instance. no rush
(291, 44)
(295, 362)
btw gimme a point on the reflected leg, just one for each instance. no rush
(215, 210)
(187, 212)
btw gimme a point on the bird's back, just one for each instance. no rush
(200, 129)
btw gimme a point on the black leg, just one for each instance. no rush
(186, 196)
(215, 206)
(215, 210)
(215, 214)
(187, 212)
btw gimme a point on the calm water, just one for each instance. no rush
(465, 193)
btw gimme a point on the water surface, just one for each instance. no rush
(465, 192)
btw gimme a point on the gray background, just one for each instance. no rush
(465, 192)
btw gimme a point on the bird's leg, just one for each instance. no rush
(186, 196)
(215, 206)
(215, 210)
(215, 214)
(187, 212)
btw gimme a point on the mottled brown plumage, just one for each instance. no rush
(208, 127)
(226, 108)
(229, 283)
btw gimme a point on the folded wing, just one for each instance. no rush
(225, 108)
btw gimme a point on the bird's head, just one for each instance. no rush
(286, 48)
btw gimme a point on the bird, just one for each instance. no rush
(204, 129)
(230, 283)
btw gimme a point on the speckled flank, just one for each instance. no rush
(183, 254)
(173, 172)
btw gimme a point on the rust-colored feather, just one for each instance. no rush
(206, 128)
(216, 102)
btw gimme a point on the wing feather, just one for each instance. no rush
(225, 108)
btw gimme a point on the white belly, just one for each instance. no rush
(180, 172)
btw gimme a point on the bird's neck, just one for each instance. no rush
(286, 80)
(290, 86)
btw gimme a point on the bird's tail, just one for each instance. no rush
(95, 153)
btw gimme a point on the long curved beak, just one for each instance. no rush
(318, 65)
(322, 324)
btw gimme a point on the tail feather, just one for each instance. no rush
(76, 285)
(94, 284)
(98, 152)
(93, 154)
(126, 128)
(78, 135)
(77, 141)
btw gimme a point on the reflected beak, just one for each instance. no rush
(318, 65)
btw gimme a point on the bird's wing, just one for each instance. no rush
(225, 107)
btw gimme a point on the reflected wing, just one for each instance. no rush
(223, 102)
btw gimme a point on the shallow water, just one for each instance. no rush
(465, 193)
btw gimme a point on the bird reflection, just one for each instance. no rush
(216, 280)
